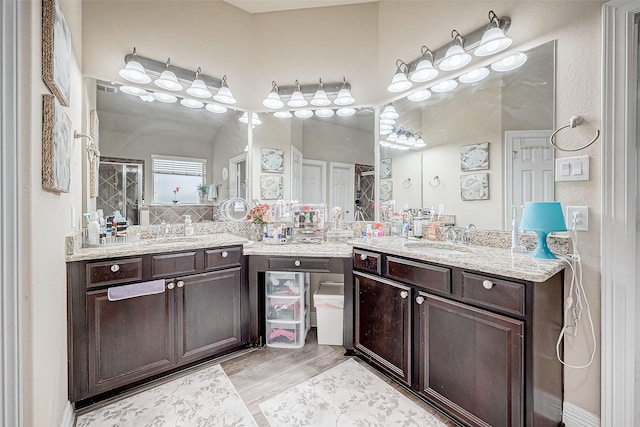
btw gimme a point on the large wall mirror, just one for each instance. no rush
(317, 160)
(149, 149)
(486, 150)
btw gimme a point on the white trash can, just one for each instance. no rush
(329, 303)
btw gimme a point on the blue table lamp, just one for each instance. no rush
(543, 218)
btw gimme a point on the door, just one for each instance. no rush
(342, 187)
(296, 174)
(529, 170)
(129, 339)
(471, 362)
(383, 331)
(238, 176)
(314, 181)
(208, 314)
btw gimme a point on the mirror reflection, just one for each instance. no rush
(162, 155)
(317, 160)
(486, 149)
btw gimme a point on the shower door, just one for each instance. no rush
(120, 187)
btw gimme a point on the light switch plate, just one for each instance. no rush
(582, 218)
(572, 168)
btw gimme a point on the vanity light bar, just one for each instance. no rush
(155, 68)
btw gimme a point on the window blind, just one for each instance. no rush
(193, 167)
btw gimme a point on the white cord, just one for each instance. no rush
(575, 304)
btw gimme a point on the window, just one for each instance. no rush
(171, 173)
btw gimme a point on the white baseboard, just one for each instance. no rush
(68, 418)
(575, 416)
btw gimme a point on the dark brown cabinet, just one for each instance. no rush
(383, 328)
(479, 347)
(115, 344)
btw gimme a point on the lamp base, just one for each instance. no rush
(542, 250)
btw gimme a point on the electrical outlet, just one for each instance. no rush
(582, 217)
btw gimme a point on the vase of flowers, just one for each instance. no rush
(175, 195)
(258, 217)
(203, 190)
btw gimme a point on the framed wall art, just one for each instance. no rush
(474, 187)
(94, 163)
(56, 52)
(272, 160)
(385, 168)
(270, 187)
(474, 157)
(386, 190)
(57, 139)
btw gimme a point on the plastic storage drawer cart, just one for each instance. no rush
(287, 308)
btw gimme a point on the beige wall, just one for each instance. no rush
(252, 51)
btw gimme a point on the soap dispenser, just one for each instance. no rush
(188, 226)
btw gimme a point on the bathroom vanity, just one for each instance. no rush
(471, 330)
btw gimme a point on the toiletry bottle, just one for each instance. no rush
(93, 229)
(432, 230)
(396, 225)
(188, 226)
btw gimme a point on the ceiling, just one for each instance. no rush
(262, 6)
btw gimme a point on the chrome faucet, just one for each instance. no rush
(450, 234)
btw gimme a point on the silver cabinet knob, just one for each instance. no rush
(404, 294)
(225, 254)
(363, 256)
(180, 283)
(296, 263)
(171, 285)
(115, 268)
(488, 284)
(419, 300)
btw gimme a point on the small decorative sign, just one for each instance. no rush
(474, 187)
(474, 157)
(56, 146)
(272, 160)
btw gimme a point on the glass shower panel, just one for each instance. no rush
(120, 189)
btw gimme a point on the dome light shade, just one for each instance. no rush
(510, 62)
(320, 98)
(164, 97)
(445, 86)
(385, 129)
(283, 114)
(168, 79)
(424, 70)
(455, 58)
(191, 103)
(255, 120)
(134, 72)
(493, 41)
(393, 137)
(346, 112)
(273, 100)
(474, 76)
(147, 98)
(389, 122)
(325, 112)
(132, 90)
(215, 108)
(198, 87)
(297, 99)
(400, 82)
(344, 96)
(224, 95)
(389, 112)
(303, 114)
(419, 95)
(402, 138)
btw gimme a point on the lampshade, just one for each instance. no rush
(168, 79)
(320, 98)
(147, 98)
(215, 108)
(393, 137)
(273, 100)
(542, 218)
(510, 62)
(493, 40)
(445, 86)
(283, 114)
(132, 90)
(474, 76)
(255, 120)
(134, 71)
(385, 129)
(346, 112)
(224, 95)
(303, 114)
(297, 99)
(419, 95)
(420, 142)
(325, 112)
(400, 82)
(344, 96)
(387, 121)
(455, 58)
(191, 103)
(164, 97)
(424, 70)
(198, 88)
(389, 112)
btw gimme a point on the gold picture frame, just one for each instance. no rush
(57, 140)
(56, 52)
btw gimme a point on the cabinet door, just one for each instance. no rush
(383, 332)
(128, 339)
(471, 362)
(208, 310)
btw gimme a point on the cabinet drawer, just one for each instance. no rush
(113, 272)
(172, 264)
(493, 293)
(306, 264)
(424, 275)
(222, 257)
(367, 261)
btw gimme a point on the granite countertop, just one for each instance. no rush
(326, 249)
(480, 258)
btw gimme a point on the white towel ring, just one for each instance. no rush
(435, 181)
(573, 122)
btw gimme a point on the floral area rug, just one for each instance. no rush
(347, 395)
(202, 398)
